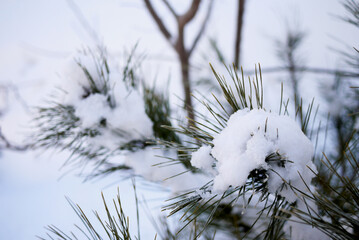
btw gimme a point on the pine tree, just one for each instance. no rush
(239, 169)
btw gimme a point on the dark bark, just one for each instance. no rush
(186, 83)
(158, 20)
(240, 19)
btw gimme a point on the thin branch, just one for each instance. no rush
(170, 8)
(203, 27)
(158, 20)
(9, 146)
(81, 18)
(240, 19)
(5, 89)
(315, 70)
(18, 97)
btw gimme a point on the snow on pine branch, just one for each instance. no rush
(251, 156)
(256, 140)
(98, 111)
(249, 147)
(104, 114)
(101, 97)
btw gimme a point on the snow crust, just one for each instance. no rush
(243, 145)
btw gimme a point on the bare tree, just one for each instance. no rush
(178, 42)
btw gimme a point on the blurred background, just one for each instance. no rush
(39, 37)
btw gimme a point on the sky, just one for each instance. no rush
(39, 37)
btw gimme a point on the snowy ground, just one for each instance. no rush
(38, 36)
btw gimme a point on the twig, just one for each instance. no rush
(203, 27)
(315, 70)
(83, 21)
(170, 8)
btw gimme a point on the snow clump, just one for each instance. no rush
(103, 100)
(245, 144)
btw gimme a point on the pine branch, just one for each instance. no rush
(193, 205)
(340, 207)
(59, 126)
(115, 226)
(352, 7)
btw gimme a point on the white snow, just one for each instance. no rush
(203, 160)
(243, 145)
(73, 78)
(129, 115)
(92, 109)
(122, 108)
